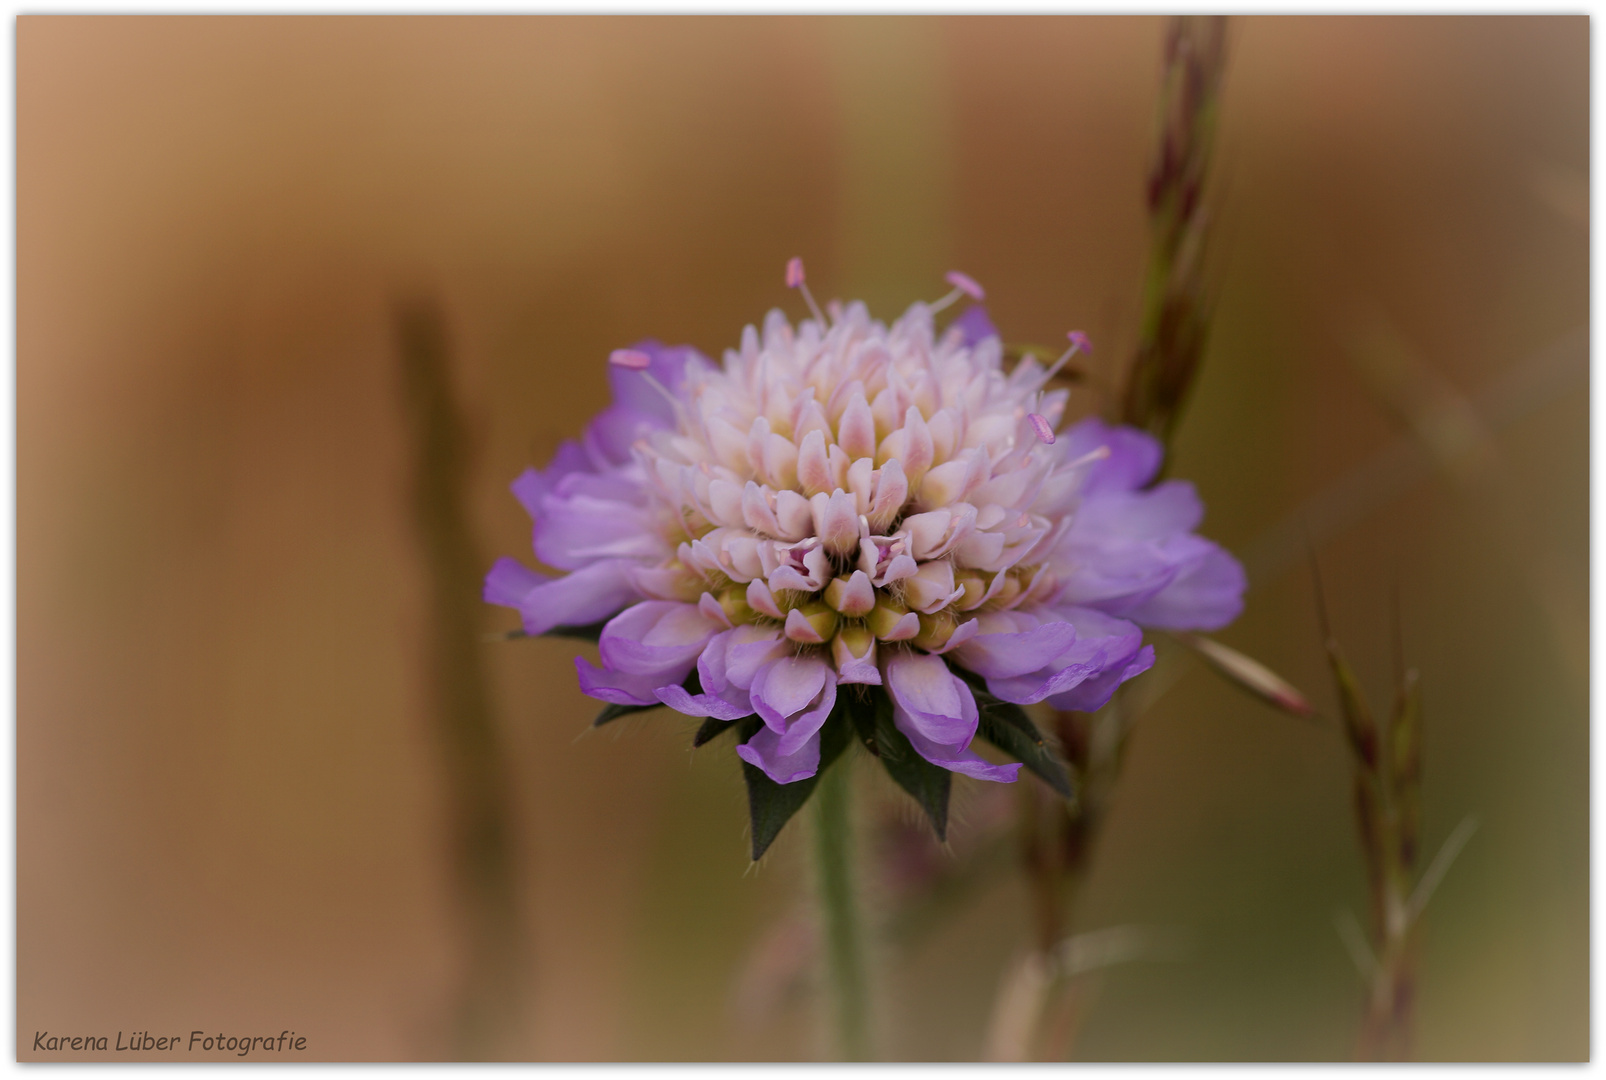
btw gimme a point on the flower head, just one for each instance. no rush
(878, 516)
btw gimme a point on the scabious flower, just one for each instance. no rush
(877, 523)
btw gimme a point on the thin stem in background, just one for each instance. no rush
(1058, 840)
(484, 856)
(1177, 306)
(844, 933)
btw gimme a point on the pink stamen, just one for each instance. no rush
(1097, 454)
(965, 284)
(1041, 426)
(633, 359)
(1079, 343)
(794, 280)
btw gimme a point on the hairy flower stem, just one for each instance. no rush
(844, 935)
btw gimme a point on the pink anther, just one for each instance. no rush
(1041, 426)
(634, 359)
(965, 284)
(794, 272)
(1079, 340)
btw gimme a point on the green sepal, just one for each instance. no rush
(591, 633)
(611, 712)
(928, 784)
(713, 728)
(861, 711)
(772, 805)
(1006, 726)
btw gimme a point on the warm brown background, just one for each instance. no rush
(229, 799)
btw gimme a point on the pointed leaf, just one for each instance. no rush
(772, 805)
(611, 712)
(591, 633)
(713, 727)
(861, 711)
(1006, 726)
(929, 784)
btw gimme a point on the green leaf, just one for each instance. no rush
(861, 711)
(611, 712)
(713, 728)
(772, 805)
(692, 684)
(928, 784)
(591, 633)
(1006, 726)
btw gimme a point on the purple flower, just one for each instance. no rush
(844, 511)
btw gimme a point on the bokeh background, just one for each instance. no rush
(234, 800)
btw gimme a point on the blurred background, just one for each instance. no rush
(238, 805)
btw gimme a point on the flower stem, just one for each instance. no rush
(844, 938)
(481, 831)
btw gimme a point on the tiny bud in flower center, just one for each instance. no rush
(935, 630)
(634, 359)
(1008, 592)
(891, 621)
(733, 601)
(974, 587)
(931, 588)
(853, 652)
(813, 624)
(856, 639)
(852, 596)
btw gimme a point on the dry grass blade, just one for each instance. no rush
(1354, 939)
(1441, 865)
(1250, 674)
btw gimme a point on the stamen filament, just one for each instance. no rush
(678, 405)
(1088, 458)
(964, 285)
(938, 305)
(795, 279)
(1078, 343)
